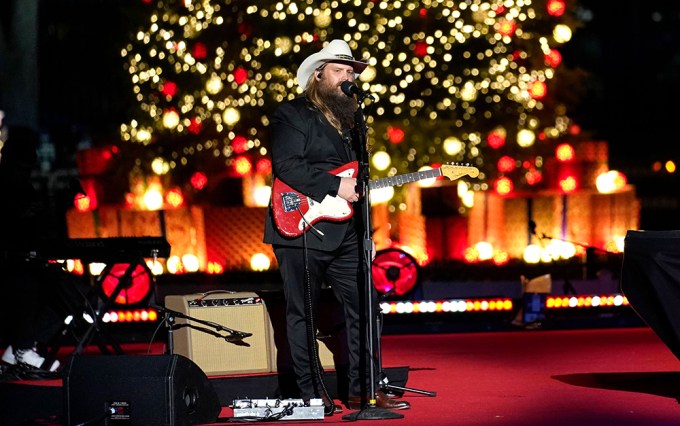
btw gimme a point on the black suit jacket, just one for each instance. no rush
(304, 148)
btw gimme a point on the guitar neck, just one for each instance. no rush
(405, 178)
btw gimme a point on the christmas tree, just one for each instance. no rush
(474, 82)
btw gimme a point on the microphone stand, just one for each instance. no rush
(234, 335)
(371, 411)
(568, 288)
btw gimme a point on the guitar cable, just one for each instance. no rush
(307, 222)
(311, 333)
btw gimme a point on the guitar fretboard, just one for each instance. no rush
(405, 178)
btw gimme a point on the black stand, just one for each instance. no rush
(95, 329)
(371, 411)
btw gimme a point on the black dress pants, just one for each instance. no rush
(341, 269)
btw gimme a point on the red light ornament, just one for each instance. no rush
(242, 166)
(496, 139)
(263, 166)
(553, 58)
(538, 90)
(198, 180)
(174, 198)
(81, 202)
(506, 27)
(240, 75)
(556, 7)
(239, 144)
(565, 152)
(395, 134)
(169, 88)
(506, 164)
(420, 48)
(504, 186)
(568, 184)
(200, 51)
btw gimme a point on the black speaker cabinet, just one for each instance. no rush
(211, 349)
(137, 390)
(650, 279)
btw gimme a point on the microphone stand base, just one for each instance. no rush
(373, 413)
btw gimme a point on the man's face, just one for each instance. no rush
(333, 75)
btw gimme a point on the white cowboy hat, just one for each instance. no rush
(335, 51)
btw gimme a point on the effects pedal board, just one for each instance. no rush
(279, 409)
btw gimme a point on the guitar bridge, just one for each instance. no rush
(290, 201)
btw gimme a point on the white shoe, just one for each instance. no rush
(28, 357)
(8, 356)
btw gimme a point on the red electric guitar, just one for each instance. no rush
(294, 213)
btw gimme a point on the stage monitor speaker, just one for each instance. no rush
(650, 279)
(213, 350)
(140, 390)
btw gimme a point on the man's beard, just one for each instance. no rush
(340, 105)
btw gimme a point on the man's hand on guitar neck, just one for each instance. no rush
(348, 190)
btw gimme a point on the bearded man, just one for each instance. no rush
(311, 139)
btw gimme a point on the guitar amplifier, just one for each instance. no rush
(219, 352)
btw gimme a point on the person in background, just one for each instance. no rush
(311, 137)
(27, 319)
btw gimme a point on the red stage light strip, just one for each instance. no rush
(446, 306)
(586, 301)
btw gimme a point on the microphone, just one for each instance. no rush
(350, 89)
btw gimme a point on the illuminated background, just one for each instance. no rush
(485, 89)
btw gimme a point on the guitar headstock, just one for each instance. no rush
(456, 171)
